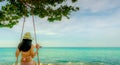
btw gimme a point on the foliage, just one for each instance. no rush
(52, 9)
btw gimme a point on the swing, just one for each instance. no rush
(34, 37)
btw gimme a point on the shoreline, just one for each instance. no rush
(70, 63)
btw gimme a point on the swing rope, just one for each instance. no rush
(35, 37)
(22, 29)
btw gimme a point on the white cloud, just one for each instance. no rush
(95, 6)
(46, 28)
(47, 32)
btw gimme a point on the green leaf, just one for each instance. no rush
(55, 10)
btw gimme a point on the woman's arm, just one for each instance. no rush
(33, 54)
(17, 53)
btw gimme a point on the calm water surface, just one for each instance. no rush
(108, 56)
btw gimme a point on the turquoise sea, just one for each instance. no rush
(88, 55)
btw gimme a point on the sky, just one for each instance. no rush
(96, 24)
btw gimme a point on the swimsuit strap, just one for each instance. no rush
(25, 58)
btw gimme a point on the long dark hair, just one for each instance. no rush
(25, 45)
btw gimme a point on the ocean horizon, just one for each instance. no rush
(87, 55)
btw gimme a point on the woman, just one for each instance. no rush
(26, 48)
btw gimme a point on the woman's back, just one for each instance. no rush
(28, 55)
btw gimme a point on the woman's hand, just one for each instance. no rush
(37, 46)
